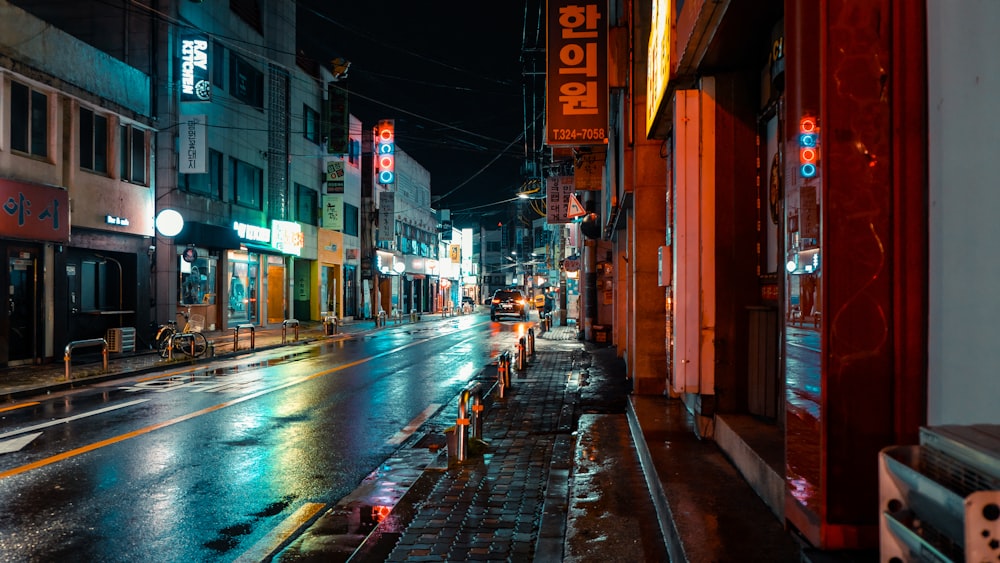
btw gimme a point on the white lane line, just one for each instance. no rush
(265, 548)
(399, 437)
(70, 418)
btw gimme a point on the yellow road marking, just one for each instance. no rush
(20, 406)
(146, 430)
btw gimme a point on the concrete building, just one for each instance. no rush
(77, 154)
(790, 196)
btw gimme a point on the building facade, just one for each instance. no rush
(783, 200)
(77, 154)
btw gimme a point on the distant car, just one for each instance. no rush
(508, 303)
(466, 300)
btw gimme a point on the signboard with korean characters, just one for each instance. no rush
(576, 95)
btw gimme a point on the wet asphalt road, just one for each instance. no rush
(204, 463)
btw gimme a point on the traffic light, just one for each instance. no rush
(385, 153)
(808, 147)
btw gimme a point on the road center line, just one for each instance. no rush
(147, 429)
(19, 406)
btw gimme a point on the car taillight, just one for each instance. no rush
(495, 300)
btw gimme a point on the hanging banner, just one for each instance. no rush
(194, 140)
(333, 212)
(576, 93)
(334, 175)
(337, 120)
(387, 216)
(558, 192)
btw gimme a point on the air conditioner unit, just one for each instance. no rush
(940, 500)
(121, 339)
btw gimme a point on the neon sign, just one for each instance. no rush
(808, 147)
(385, 152)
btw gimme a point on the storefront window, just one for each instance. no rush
(243, 268)
(197, 277)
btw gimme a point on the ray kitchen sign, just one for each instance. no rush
(195, 85)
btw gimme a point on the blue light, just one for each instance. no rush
(807, 140)
(386, 177)
(808, 170)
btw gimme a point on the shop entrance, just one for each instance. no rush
(275, 293)
(23, 307)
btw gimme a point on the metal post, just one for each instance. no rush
(520, 354)
(463, 422)
(531, 342)
(503, 373)
(477, 416)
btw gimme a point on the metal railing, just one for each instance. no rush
(186, 338)
(236, 336)
(68, 353)
(284, 329)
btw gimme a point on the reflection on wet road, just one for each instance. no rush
(202, 463)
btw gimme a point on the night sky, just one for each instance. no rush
(449, 73)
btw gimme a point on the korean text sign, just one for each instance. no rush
(33, 212)
(576, 93)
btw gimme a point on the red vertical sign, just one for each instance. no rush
(576, 73)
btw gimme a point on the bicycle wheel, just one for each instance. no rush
(162, 338)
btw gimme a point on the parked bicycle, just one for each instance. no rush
(188, 340)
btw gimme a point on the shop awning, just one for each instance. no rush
(207, 236)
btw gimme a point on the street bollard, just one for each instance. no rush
(503, 373)
(380, 319)
(294, 323)
(331, 325)
(520, 354)
(463, 421)
(531, 342)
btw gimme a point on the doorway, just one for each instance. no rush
(23, 306)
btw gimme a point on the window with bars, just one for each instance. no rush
(248, 11)
(350, 219)
(134, 145)
(305, 204)
(246, 83)
(93, 141)
(29, 120)
(248, 181)
(207, 184)
(310, 123)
